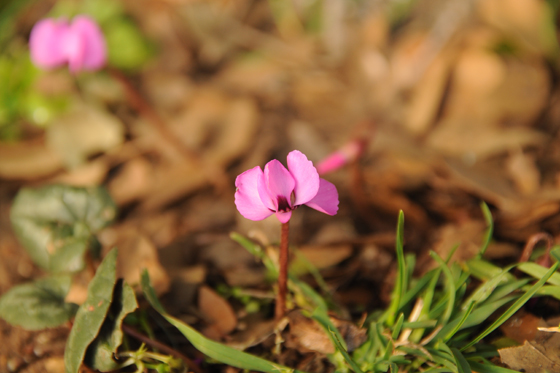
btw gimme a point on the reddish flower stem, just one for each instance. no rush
(280, 309)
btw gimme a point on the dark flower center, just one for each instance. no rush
(283, 204)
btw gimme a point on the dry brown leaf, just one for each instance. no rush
(173, 181)
(523, 326)
(83, 131)
(468, 235)
(326, 256)
(534, 357)
(217, 312)
(518, 19)
(463, 139)
(136, 253)
(167, 90)
(427, 95)
(524, 172)
(132, 181)
(240, 123)
(307, 335)
(28, 161)
(254, 331)
(244, 276)
(92, 173)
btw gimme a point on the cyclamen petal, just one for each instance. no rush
(260, 194)
(80, 44)
(247, 197)
(305, 175)
(279, 182)
(326, 199)
(44, 43)
(95, 50)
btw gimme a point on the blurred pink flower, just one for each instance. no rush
(346, 154)
(80, 44)
(279, 191)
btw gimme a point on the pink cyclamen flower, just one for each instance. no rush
(80, 44)
(279, 191)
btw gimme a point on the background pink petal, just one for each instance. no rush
(247, 197)
(95, 51)
(44, 43)
(73, 46)
(305, 175)
(326, 199)
(278, 181)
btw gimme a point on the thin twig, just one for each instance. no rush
(532, 242)
(162, 347)
(280, 309)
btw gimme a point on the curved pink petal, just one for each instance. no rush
(326, 199)
(305, 175)
(74, 47)
(264, 194)
(284, 217)
(247, 197)
(94, 53)
(279, 182)
(44, 43)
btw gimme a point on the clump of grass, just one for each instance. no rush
(432, 324)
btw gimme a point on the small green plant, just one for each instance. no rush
(57, 224)
(437, 323)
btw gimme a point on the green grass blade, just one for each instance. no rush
(538, 271)
(450, 287)
(398, 327)
(487, 288)
(400, 284)
(477, 316)
(335, 338)
(504, 290)
(462, 363)
(208, 347)
(489, 230)
(484, 271)
(489, 368)
(418, 287)
(457, 327)
(515, 306)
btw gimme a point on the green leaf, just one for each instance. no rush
(401, 283)
(38, 305)
(489, 231)
(99, 354)
(489, 368)
(56, 223)
(127, 48)
(210, 348)
(92, 313)
(462, 363)
(335, 338)
(450, 287)
(538, 271)
(514, 307)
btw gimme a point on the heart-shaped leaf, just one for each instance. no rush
(56, 223)
(100, 353)
(38, 305)
(92, 313)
